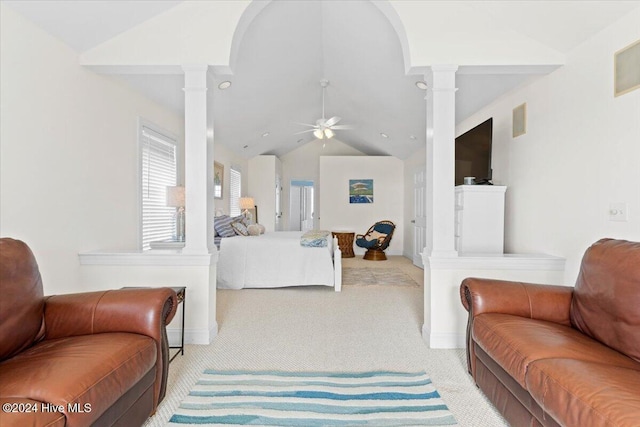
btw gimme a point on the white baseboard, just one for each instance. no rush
(443, 340)
(192, 336)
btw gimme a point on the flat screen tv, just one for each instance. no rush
(473, 153)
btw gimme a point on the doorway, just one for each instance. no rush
(419, 215)
(301, 206)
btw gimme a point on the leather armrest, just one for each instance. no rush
(542, 302)
(144, 311)
(138, 310)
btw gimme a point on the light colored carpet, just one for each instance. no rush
(313, 399)
(361, 328)
(361, 276)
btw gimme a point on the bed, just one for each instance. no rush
(275, 260)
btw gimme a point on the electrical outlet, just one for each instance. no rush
(618, 212)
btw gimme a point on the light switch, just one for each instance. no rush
(618, 212)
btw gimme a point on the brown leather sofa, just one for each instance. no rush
(96, 358)
(561, 356)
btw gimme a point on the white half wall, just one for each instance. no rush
(580, 153)
(337, 214)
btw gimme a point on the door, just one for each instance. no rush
(419, 214)
(301, 211)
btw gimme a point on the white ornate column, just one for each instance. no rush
(195, 158)
(441, 115)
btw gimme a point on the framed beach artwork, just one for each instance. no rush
(360, 191)
(218, 180)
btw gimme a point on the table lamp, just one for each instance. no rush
(175, 198)
(247, 203)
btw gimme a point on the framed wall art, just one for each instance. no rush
(360, 191)
(218, 180)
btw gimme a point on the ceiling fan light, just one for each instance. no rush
(318, 134)
(328, 133)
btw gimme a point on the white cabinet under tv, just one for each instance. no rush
(479, 222)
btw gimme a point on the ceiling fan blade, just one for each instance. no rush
(305, 131)
(341, 127)
(305, 124)
(332, 121)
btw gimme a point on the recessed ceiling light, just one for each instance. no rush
(412, 137)
(384, 135)
(224, 85)
(421, 85)
(264, 135)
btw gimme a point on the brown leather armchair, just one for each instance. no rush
(560, 355)
(95, 358)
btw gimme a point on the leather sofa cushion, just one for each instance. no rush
(95, 369)
(21, 299)
(586, 394)
(607, 295)
(515, 342)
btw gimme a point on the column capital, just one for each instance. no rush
(441, 78)
(195, 77)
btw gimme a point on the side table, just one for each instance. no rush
(181, 292)
(345, 242)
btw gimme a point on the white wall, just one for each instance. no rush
(303, 163)
(337, 214)
(261, 186)
(69, 153)
(580, 153)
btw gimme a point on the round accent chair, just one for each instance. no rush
(376, 240)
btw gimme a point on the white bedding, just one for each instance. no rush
(273, 260)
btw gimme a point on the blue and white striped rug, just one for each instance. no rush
(310, 399)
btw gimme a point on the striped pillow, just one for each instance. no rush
(222, 225)
(240, 228)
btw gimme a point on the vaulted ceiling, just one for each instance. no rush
(291, 45)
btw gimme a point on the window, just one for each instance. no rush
(158, 171)
(234, 192)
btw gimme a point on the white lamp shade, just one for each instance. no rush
(175, 196)
(246, 203)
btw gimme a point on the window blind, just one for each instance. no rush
(159, 170)
(234, 192)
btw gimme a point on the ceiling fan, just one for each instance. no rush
(324, 128)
